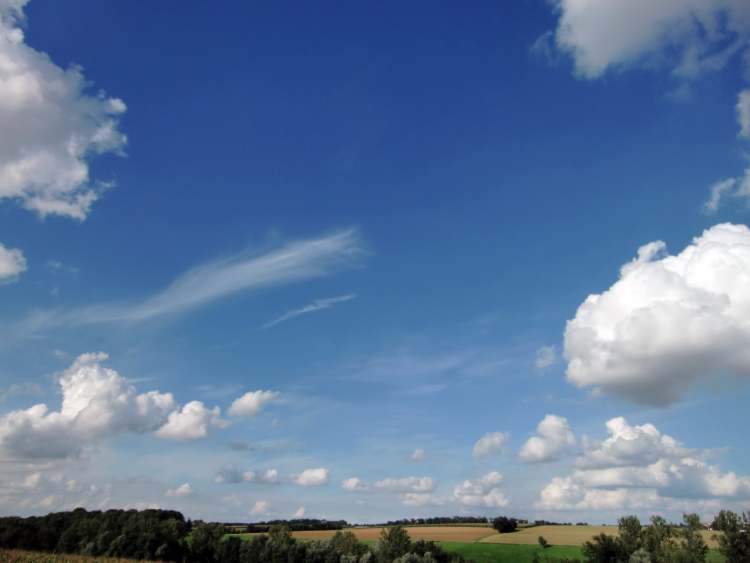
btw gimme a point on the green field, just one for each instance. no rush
(507, 553)
(520, 553)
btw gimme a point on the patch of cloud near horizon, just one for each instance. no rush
(490, 444)
(12, 263)
(51, 126)
(292, 262)
(97, 402)
(554, 439)
(690, 37)
(482, 492)
(669, 322)
(638, 467)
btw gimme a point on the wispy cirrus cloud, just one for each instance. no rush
(214, 280)
(317, 305)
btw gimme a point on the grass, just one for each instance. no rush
(508, 553)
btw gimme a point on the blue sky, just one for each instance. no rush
(351, 242)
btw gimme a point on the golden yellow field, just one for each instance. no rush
(434, 533)
(18, 556)
(555, 535)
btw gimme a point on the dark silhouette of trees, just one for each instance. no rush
(659, 542)
(504, 525)
(734, 541)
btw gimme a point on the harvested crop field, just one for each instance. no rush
(433, 533)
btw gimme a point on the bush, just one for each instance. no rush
(543, 543)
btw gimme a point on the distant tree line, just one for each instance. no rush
(295, 525)
(167, 536)
(436, 520)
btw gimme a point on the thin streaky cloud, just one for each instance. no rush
(293, 262)
(317, 305)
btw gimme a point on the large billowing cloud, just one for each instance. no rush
(97, 402)
(690, 36)
(12, 263)
(554, 438)
(482, 492)
(669, 322)
(638, 467)
(51, 127)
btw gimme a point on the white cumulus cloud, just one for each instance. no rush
(668, 322)
(12, 263)
(690, 36)
(251, 403)
(354, 484)
(490, 444)
(554, 439)
(406, 484)
(639, 467)
(184, 490)
(97, 402)
(51, 126)
(484, 491)
(312, 477)
(191, 422)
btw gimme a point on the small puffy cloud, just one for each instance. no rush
(260, 507)
(638, 467)
(12, 263)
(490, 444)
(191, 422)
(691, 36)
(546, 356)
(353, 484)
(184, 490)
(484, 491)
(417, 455)
(300, 513)
(251, 403)
(406, 484)
(669, 322)
(553, 440)
(743, 112)
(312, 477)
(51, 127)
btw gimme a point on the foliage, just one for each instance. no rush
(659, 542)
(504, 525)
(734, 542)
(146, 534)
(543, 543)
